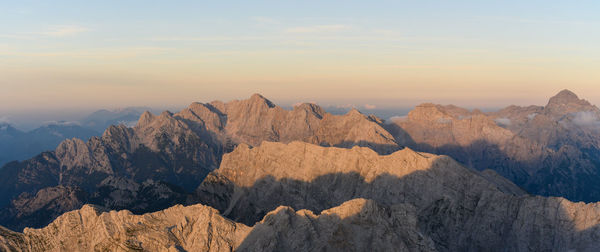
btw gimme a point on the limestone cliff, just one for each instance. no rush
(457, 208)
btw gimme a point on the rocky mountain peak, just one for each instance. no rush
(258, 99)
(354, 113)
(566, 102)
(566, 97)
(145, 118)
(166, 114)
(429, 112)
(311, 107)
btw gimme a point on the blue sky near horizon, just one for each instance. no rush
(75, 54)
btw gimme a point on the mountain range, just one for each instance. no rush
(167, 156)
(250, 175)
(551, 150)
(347, 200)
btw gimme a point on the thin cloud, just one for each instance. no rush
(63, 31)
(503, 121)
(345, 106)
(370, 106)
(213, 39)
(99, 53)
(318, 28)
(61, 123)
(394, 119)
(586, 118)
(539, 21)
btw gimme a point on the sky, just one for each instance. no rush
(81, 55)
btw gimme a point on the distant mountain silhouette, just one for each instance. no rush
(18, 145)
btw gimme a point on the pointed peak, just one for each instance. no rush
(564, 97)
(145, 118)
(196, 107)
(166, 113)
(146, 114)
(257, 96)
(259, 99)
(311, 107)
(354, 112)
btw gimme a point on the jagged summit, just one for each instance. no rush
(354, 112)
(254, 183)
(259, 99)
(567, 102)
(180, 149)
(564, 97)
(356, 225)
(145, 118)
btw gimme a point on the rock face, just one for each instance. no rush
(178, 150)
(457, 208)
(192, 228)
(257, 119)
(357, 225)
(373, 197)
(404, 201)
(552, 150)
(47, 204)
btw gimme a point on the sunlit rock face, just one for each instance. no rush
(349, 200)
(455, 206)
(356, 225)
(173, 153)
(192, 228)
(551, 150)
(269, 179)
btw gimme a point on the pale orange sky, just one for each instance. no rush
(73, 55)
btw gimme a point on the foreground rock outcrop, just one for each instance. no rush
(351, 200)
(357, 225)
(458, 208)
(192, 228)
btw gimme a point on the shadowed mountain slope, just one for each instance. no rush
(172, 153)
(552, 150)
(353, 200)
(457, 208)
